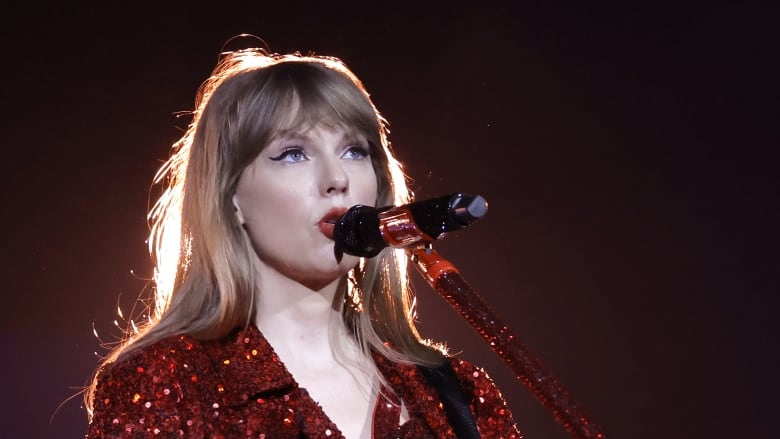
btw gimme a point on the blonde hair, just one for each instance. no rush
(204, 280)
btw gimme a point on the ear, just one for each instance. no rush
(239, 214)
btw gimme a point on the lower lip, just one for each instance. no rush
(327, 229)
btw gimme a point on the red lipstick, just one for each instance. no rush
(328, 222)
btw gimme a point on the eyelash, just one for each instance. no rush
(286, 153)
(363, 151)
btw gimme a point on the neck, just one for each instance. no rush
(297, 318)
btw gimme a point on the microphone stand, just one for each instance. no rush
(445, 279)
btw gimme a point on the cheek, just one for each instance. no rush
(276, 223)
(383, 188)
(275, 206)
(366, 190)
(263, 201)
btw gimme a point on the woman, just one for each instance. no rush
(260, 327)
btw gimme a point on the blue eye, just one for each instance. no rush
(292, 155)
(356, 152)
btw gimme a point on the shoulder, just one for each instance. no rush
(173, 360)
(151, 390)
(492, 414)
(475, 379)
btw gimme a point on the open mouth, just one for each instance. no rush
(328, 222)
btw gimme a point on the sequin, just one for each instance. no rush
(242, 389)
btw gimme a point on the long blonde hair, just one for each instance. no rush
(203, 277)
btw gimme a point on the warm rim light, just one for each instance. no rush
(165, 241)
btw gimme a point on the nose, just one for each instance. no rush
(335, 180)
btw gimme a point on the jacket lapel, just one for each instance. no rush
(418, 395)
(249, 366)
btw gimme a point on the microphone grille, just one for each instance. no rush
(357, 232)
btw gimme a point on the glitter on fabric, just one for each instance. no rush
(238, 387)
(445, 279)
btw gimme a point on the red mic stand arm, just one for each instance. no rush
(445, 279)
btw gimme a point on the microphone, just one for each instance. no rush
(365, 230)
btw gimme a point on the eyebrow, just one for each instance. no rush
(290, 136)
(351, 136)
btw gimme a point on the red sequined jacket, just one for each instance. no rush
(238, 387)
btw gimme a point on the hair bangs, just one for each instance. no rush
(323, 97)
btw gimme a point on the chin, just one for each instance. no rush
(348, 262)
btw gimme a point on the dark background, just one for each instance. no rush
(629, 155)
